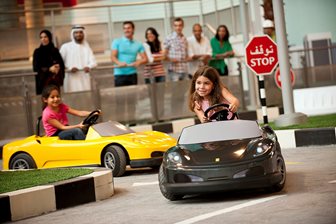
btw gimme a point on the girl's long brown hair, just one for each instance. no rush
(216, 93)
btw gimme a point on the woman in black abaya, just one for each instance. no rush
(48, 63)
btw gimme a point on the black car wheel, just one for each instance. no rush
(22, 161)
(169, 195)
(281, 168)
(115, 159)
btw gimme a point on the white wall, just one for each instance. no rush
(309, 16)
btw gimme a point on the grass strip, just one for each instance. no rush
(20, 179)
(321, 121)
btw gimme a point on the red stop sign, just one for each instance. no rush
(261, 54)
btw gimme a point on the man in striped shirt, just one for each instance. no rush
(176, 46)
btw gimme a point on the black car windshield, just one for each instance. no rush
(219, 131)
(111, 128)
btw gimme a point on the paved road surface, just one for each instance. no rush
(309, 197)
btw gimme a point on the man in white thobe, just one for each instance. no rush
(78, 60)
(199, 49)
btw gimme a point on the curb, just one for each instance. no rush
(22, 204)
(287, 138)
(306, 137)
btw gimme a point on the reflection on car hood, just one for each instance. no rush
(219, 152)
(220, 131)
(151, 138)
(107, 129)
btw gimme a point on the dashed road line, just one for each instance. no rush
(293, 163)
(227, 210)
(145, 183)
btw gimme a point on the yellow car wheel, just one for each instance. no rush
(114, 158)
(22, 161)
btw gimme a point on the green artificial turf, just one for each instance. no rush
(20, 179)
(321, 121)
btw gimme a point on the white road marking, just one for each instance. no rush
(227, 210)
(145, 183)
(332, 182)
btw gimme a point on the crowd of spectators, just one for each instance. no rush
(70, 66)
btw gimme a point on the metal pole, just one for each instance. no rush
(216, 14)
(256, 17)
(53, 30)
(258, 30)
(28, 107)
(289, 117)
(287, 89)
(167, 18)
(262, 93)
(201, 16)
(234, 27)
(250, 75)
(109, 25)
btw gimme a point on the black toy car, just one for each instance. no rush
(222, 155)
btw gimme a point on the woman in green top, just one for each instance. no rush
(221, 48)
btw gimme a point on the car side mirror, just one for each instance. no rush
(269, 132)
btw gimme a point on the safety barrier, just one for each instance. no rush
(137, 104)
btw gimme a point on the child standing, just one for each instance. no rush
(207, 90)
(54, 116)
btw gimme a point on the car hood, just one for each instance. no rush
(219, 152)
(143, 139)
(151, 138)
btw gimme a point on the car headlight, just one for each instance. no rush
(174, 157)
(261, 149)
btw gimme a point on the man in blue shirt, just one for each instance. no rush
(124, 55)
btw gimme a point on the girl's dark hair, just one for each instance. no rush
(156, 45)
(216, 93)
(49, 35)
(226, 37)
(46, 93)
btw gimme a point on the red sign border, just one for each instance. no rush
(291, 71)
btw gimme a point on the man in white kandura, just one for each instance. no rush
(79, 60)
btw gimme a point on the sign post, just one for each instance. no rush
(261, 54)
(289, 117)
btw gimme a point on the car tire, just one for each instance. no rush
(169, 195)
(281, 168)
(114, 158)
(22, 161)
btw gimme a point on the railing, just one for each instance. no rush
(142, 103)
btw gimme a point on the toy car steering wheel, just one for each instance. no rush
(91, 118)
(221, 115)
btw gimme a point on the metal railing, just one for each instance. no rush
(149, 103)
(142, 103)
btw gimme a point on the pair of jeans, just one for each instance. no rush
(125, 80)
(175, 76)
(72, 134)
(156, 79)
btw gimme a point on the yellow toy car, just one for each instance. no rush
(108, 144)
